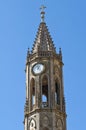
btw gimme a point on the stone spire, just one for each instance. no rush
(43, 40)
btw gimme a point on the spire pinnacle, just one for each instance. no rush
(42, 13)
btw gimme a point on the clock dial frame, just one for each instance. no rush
(38, 68)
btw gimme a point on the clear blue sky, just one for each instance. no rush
(19, 21)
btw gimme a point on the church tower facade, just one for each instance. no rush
(45, 102)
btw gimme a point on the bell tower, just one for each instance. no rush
(45, 102)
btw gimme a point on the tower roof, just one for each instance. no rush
(43, 40)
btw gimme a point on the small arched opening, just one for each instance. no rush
(57, 92)
(45, 91)
(32, 93)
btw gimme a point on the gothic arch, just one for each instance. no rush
(57, 77)
(44, 90)
(57, 91)
(59, 124)
(32, 124)
(32, 92)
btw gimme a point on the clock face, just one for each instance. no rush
(38, 68)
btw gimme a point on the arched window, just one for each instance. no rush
(45, 91)
(32, 92)
(57, 92)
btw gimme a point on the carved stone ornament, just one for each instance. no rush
(59, 124)
(32, 124)
(45, 121)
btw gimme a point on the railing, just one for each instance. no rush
(44, 54)
(44, 104)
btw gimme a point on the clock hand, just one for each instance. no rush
(38, 68)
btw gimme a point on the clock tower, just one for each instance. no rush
(45, 101)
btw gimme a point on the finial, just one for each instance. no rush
(60, 51)
(28, 51)
(42, 13)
